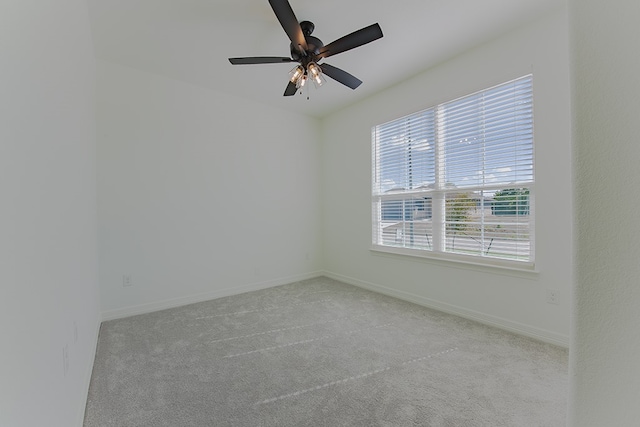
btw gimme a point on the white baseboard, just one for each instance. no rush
(487, 319)
(88, 373)
(191, 299)
(498, 322)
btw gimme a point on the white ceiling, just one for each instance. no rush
(190, 40)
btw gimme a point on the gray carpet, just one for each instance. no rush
(320, 353)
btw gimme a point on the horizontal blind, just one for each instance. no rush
(404, 153)
(487, 137)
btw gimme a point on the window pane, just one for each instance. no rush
(406, 222)
(493, 225)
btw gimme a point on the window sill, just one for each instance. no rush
(489, 265)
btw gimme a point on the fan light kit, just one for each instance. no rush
(308, 51)
(299, 75)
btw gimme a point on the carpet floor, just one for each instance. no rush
(320, 353)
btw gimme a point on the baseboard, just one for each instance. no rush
(495, 321)
(88, 373)
(191, 299)
(487, 319)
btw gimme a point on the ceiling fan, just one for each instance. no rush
(308, 50)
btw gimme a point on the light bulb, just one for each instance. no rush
(296, 73)
(318, 80)
(314, 70)
(315, 73)
(301, 81)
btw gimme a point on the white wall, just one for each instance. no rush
(605, 338)
(201, 194)
(48, 248)
(511, 300)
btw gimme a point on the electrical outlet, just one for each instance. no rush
(552, 296)
(126, 280)
(65, 359)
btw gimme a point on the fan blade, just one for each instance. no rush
(291, 89)
(260, 60)
(350, 41)
(340, 76)
(290, 24)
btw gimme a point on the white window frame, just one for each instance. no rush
(436, 245)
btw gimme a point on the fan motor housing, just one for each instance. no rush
(314, 45)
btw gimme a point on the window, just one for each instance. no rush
(456, 180)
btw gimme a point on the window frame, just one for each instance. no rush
(438, 202)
